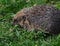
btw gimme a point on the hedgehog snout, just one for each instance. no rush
(15, 21)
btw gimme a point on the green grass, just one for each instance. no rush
(14, 35)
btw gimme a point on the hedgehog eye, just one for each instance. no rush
(24, 18)
(21, 18)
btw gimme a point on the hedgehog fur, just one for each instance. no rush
(40, 17)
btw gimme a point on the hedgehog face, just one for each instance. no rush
(19, 18)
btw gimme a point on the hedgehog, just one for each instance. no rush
(39, 17)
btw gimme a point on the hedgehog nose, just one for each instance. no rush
(15, 22)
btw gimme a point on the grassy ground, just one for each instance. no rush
(14, 35)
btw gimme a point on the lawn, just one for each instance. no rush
(11, 35)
